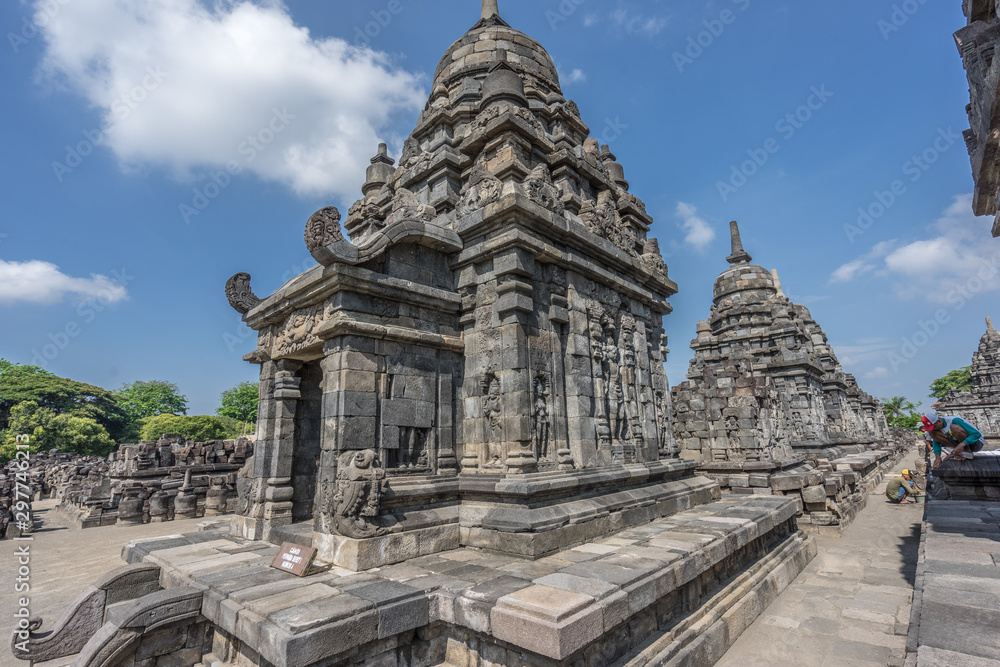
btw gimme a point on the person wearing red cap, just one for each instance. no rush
(958, 435)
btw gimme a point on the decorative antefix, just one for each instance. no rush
(495, 308)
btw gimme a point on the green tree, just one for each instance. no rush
(901, 412)
(22, 382)
(240, 403)
(147, 399)
(960, 379)
(82, 435)
(197, 427)
(64, 432)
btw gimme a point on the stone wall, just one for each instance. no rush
(152, 481)
(976, 43)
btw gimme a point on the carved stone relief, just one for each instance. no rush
(323, 228)
(361, 485)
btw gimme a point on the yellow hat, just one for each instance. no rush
(906, 472)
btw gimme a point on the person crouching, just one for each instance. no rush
(900, 490)
(959, 437)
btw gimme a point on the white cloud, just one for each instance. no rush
(221, 72)
(575, 76)
(877, 373)
(960, 261)
(863, 352)
(865, 264)
(699, 232)
(634, 23)
(591, 20)
(40, 282)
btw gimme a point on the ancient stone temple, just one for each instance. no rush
(767, 407)
(981, 405)
(464, 410)
(976, 43)
(498, 310)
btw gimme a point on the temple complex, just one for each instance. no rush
(980, 406)
(976, 43)
(767, 407)
(464, 411)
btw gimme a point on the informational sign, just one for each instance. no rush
(294, 558)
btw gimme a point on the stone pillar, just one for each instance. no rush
(580, 383)
(269, 502)
(347, 424)
(514, 270)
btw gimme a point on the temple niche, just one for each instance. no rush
(767, 407)
(493, 307)
(981, 405)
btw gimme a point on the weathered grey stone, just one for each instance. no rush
(814, 494)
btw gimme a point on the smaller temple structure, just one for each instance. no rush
(977, 42)
(980, 406)
(767, 407)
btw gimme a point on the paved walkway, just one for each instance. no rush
(64, 561)
(851, 605)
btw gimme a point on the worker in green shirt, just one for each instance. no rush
(897, 489)
(959, 436)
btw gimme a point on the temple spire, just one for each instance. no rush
(491, 9)
(739, 255)
(989, 324)
(777, 282)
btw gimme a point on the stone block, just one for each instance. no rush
(550, 621)
(739, 481)
(814, 495)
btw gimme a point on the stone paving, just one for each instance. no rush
(957, 592)
(65, 560)
(851, 605)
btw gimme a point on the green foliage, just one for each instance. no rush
(21, 382)
(82, 435)
(197, 427)
(9, 450)
(64, 432)
(901, 412)
(148, 399)
(960, 379)
(240, 403)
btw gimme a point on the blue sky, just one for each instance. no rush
(118, 115)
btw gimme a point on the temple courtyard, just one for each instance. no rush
(925, 577)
